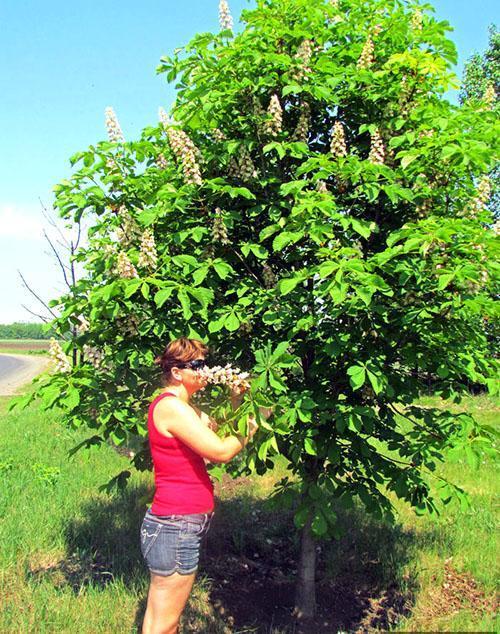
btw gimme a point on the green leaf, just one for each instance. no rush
(185, 302)
(365, 293)
(408, 159)
(258, 250)
(267, 232)
(357, 374)
(445, 280)
(145, 290)
(130, 287)
(338, 292)
(285, 238)
(363, 227)
(162, 296)
(301, 516)
(72, 398)
(288, 284)
(293, 187)
(232, 322)
(376, 381)
(310, 447)
(319, 525)
(223, 269)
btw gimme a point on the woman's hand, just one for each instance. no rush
(237, 395)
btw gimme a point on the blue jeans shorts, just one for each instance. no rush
(171, 543)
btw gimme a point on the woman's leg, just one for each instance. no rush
(167, 599)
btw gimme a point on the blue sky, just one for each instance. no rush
(62, 63)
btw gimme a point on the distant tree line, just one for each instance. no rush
(19, 330)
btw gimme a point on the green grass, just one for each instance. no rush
(70, 558)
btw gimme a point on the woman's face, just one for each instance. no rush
(190, 376)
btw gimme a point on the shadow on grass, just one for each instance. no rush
(102, 544)
(248, 567)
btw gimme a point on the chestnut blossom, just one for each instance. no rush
(218, 135)
(115, 133)
(163, 117)
(148, 256)
(128, 325)
(58, 357)
(94, 356)
(268, 276)
(302, 130)
(185, 151)
(335, 6)
(490, 95)
(338, 145)
(161, 162)
(275, 112)
(128, 231)
(303, 58)
(83, 325)
(242, 166)
(124, 267)
(482, 197)
(225, 17)
(219, 229)
(366, 58)
(377, 149)
(231, 377)
(416, 20)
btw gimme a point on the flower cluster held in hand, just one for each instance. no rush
(233, 378)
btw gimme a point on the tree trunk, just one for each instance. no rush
(305, 595)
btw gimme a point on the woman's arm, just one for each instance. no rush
(206, 419)
(179, 419)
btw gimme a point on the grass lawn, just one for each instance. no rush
(70, 558)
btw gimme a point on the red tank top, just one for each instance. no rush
(182, 484)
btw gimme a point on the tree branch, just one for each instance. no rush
(413, 422)
(44, 319)
(61, 265)
(36, 296)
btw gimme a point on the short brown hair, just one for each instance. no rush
(179, 352)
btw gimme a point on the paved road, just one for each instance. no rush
(16, 370)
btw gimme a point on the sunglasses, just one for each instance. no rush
(195, 364)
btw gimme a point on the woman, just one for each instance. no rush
(181, 438)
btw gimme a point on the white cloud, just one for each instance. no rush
(25, 223)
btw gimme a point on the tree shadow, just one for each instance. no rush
(102, 544)
(248, 566)
(251, 558)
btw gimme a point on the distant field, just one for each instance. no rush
(24, 346)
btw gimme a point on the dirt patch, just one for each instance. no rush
(15, 344)
(75, 570)
(459, 591)
(251, 559)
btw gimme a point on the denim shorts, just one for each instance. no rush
(171, 543)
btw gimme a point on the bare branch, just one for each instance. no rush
(414, 422)
(44, 319)
(54, 224)
(62, 266)
(36, 296)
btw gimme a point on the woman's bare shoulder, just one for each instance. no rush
(173, 406)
